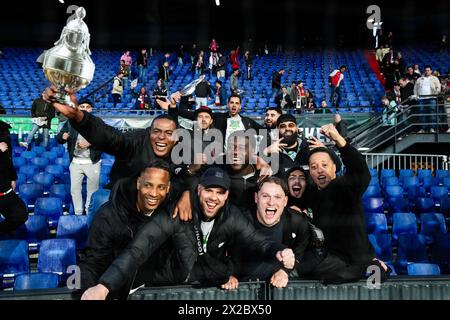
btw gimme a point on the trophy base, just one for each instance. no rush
(64, 98)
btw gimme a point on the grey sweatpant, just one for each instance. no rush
(77, 173)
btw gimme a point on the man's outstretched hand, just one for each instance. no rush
(71, 112)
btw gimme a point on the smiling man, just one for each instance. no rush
(133, 203)
(132, 149)
(279, 224)
(337, 211)
(217, 228)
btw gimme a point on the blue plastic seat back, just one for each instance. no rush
(372, 191)
(424, 205)
(382, 245)
(437, 192)
(394, 191)
(376, 223)
(14, 257)
(411, 248)
(423, 269)
(34, 281)
(432, 224)
(403, 222)
(373, 205)
(34, 230)
(98, 198)
(56, 255)
(30, 192)
(50, 207)
(73, 227)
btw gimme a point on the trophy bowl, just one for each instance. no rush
(68, 65)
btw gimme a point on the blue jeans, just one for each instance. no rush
(142, 73)
(335, 91)
(427, 107)
(33, 132)
(275, 93)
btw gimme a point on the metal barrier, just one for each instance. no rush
(397, 288)
(406, 161)
(400, 288)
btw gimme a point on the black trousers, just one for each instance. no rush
(14, 210)
(317, 264)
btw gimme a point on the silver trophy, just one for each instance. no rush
(68, 65)
(190, 88)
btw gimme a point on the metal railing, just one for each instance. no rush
(406, 121)
(406, 161)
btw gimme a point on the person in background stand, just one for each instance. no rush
(221, 66)
(42, 114)
(142, 98)
(180, 55)
(85, 162)
(335, 80)
(117, 90)
(234, 59)
(248, 62)
(221, 95)
(12, 208)
(142, 62)
(160, 92)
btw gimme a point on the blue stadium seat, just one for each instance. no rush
(29, 171)
(415, 192)
(442, 174)
(13, 259)
(59, 150)
(44, 179)
(381, 243)
(398, 205)
(28, 155)
(423, 269)
(33, 231)
(376, 223)
(403, 223)
(38, 150)
(411, 248)
(387, 173)
(390, 181)
(73, 227)
(37, 280)
(445, 206)
(50, 155)
(424, 205)
(424, 173)
(373, 172)
(432, 224)
(98, 198)
(373, 205)
(64, 162)
(41, 163)
(428, 182)
(405, 173)
(394, 191)
(56, 255)
(372, 192)
(61, 191)
(56, 170)
(410, 182)
(437, 192)
(19, 162)
(30, 192)
(49, 207)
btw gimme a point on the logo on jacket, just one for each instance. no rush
(221, 245)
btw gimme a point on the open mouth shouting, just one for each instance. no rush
(322, 180)
(270, 213)
(297, 191)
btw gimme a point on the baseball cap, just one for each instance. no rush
(86, 101)
(286, 118)
(215, 177)
(203, 109)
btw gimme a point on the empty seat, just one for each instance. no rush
(98, 198)
(56, 170)
(394, 191)
(398, 205)
(376, 223)
(381, 243)
(37, 280)
(437, 192)
(61, 191)
(30, 192)
(405, 173)
(56, 255)
(40, 162)
(410, 181)
(19, 162)
(423, 269)
(49, 207)
(372, 192)
(50, 155)
(73, 227)
(390, 181)
(432, 224)
(33, 231)
(424, 205)
(29, 171)
(424, 173)
(373, 205)
(13, 258)
(44, 179)
(403, 223)
(387, 173)
(411, 248)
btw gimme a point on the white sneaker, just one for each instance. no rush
(448, 130)
(432, 131)
(23, 144)
(421, 131)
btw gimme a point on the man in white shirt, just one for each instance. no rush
(427, 86)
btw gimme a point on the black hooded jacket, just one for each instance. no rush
(296, 234)
(7, 171)
(115, 225)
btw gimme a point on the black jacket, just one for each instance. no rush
(276, 80)
(232, 228)
(407, 91)
(95, 154)
(7, 171)
(289, 104)
(114, 226)
(296, 234)
(222, 63)
(203, 90)
(219, 118)
(163, 74)
(338, 212)
(132, 150)
(42, 109)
